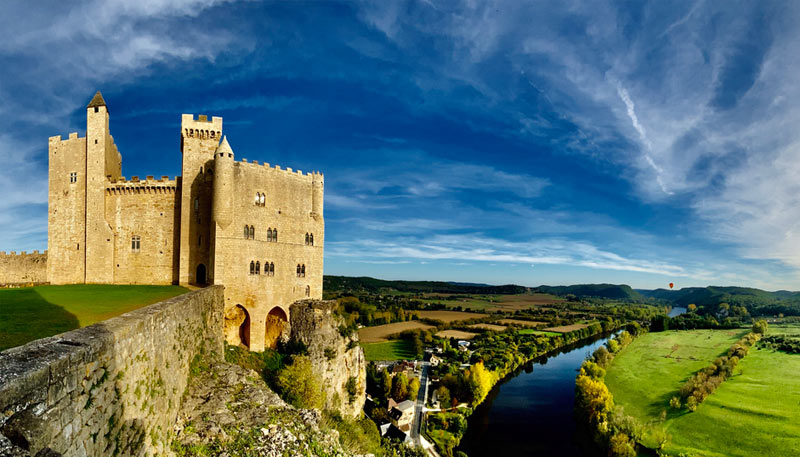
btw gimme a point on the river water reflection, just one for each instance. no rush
(531, 414)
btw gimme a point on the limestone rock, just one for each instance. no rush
(335, 358)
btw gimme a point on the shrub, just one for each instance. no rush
(675, 403)
(760, 327)
(298, 385)
(621, 446)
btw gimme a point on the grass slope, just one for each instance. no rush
(31, 313)
(389, 350)
(756, 412)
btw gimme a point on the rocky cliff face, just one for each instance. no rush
(337, 360)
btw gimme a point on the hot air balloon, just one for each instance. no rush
(671, 285)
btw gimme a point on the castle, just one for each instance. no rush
(256, 229)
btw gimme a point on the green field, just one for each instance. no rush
(30, 313)
(755, 412)
(389, 350)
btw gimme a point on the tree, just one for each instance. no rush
(385, 384)
(675, 402)
(413, 389)
(298, 384)
(443, 395)
(593, 399)
(691, 403)
(621, 446)
(760, 326)
(692, 307)
(479, 382)
(400, 387)
(602, 357)
(592, 370)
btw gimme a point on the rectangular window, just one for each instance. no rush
(73, 177)
(136, 241)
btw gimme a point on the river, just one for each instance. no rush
(530, 413)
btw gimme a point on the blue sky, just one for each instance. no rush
(494, 141)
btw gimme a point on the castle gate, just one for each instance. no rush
(201, 274)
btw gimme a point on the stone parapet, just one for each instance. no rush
(112, 388)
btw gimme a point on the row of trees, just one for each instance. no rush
(781, 343)
(610, 426)
(705, 382)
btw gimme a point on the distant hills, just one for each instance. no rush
(755, 300)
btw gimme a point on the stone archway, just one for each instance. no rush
(275, 325)
(237, 326)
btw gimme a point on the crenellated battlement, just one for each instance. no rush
(60, 138)
(255, 165)
(201, 128)
(149, 185)
(35, 253)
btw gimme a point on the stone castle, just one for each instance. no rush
(256, 229)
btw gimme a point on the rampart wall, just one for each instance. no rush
(23, 268)
(112, 388)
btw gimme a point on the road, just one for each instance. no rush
(416, 424)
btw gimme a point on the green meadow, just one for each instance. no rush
(30, 313)
(389, 350)
(755, 412)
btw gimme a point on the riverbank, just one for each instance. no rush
(538, 348)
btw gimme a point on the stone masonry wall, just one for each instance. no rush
(334, 358)
(109, 389)
(23, 268)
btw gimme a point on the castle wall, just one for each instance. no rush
(113, 388)
(66, 210)
(23, 268)
(287, 208)
(149, 210)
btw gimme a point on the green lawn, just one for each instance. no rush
(756, 412)
(31, 313)
(389, 350)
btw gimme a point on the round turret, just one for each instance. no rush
(222, 206)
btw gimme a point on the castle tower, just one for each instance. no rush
(222, 204)
(199, 141)
(103, 162)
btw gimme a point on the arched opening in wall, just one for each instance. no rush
(237, 326)
(276, 323)
(201, 274)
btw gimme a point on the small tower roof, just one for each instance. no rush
(224, 146)
(97, 100)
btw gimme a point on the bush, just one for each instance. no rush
(760, 327)
(675, 403)
(621, 446)
(298, 386)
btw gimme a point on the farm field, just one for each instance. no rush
(461, 335)
(495, 303)
(520, 322)
(753, 413)
(30, 313)
(493, 327)
(449, 316)
(389, 350)
(566, 328)
(381, 333)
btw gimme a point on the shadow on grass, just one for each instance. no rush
(26, 316)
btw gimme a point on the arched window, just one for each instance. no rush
(306, 239)
(258, 268)
(271, 269)
(298, 270)
(246, 232)
(263, 199)
(303, 271)
(196, 204)
(311, 239)
(258, 198)
(275, 235)
(308, 291)
(252, 267)
(252, 232)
